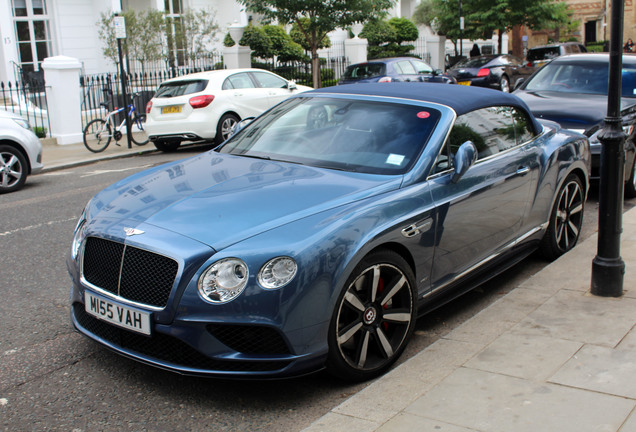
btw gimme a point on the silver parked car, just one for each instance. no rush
(20, 152)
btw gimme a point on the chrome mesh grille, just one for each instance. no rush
(129, 272)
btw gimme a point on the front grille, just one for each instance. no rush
(249, 339)
(167, 348)
(129, 272)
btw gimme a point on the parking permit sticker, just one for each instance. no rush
(395, 159)
(423, 114)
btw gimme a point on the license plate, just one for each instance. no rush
(114, 313)
(463, 83)
(171, 109)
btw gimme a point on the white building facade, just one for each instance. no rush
(32, 30)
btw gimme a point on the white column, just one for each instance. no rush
(437, 49)
(62, 75)
(356, 50)
(237, 56)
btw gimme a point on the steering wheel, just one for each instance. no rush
(317, 117)
(560, 84)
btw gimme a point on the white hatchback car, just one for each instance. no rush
(207, 105)
(20, 152)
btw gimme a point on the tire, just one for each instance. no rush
(97, 135)
(138, 134)
(566, 219)
(225, 127)
(504, 84)
(167, 146)
(373, 319)
(13, 169)
(630, 184)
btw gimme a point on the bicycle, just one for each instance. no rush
(99, 132)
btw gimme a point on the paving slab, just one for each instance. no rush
(531, 357)
(406, 422)
(581, 317)
(491, 402)
(600, 369)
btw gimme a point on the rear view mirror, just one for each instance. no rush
(464, 159)
(241, 125)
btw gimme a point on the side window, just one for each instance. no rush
(406, 67)
(490, 129)
(238, 81)
(421, 67)
(524, 130)
(266, 80)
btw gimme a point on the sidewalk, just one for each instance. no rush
(56, 156)
(547, 357)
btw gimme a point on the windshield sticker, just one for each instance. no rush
(423, 114)
(395, 159)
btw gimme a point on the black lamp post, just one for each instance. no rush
(608, 268)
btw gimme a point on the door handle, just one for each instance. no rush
(523, 170)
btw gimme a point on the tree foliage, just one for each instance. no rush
(269, 41)
(320, 17)
(386, 37)
(150, 35)
(483, 17)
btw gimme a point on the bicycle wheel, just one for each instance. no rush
(138, 132)
(97, 135)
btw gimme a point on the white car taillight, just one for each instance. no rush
(201, 101)
(148, 107)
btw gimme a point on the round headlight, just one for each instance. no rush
(223, 281)
(77, 238)
(277, 272)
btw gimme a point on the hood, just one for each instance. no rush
(220, 199)
(570, 110)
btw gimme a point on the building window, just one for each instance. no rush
(33, 33)
(176, 47)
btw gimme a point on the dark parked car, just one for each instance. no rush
(572, 90)
(396, 69)
(317, 234)
(499, 71)
(540, 55)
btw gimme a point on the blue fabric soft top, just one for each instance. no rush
(461, 99)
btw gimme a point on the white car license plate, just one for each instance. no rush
(114, 313)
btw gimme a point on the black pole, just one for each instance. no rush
(608, 268)
(122, 73)
(461, 31)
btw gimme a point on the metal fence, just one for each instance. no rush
(27, 99)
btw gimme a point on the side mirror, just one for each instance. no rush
(241, 125)
(291, 86)
(519, 83)
(464, 159)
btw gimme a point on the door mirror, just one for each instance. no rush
(519, 83)
(241, 125)
(291, 85)
(464, 159)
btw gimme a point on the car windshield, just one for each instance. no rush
(365, 70)
(473, 62)
(581, 77)
(339, 133)
(180, 88)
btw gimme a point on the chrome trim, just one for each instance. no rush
(109, 294)
(489, 258)
(417, 228)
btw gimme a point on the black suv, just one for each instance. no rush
(538, 56)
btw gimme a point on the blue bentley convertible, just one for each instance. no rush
(316, 235)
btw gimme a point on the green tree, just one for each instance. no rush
(322, 17)
(298, 36)
(386, 37)
(283, 45)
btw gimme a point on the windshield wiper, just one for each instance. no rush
(253, 156)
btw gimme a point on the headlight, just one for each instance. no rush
(78, 237)
(223, 281)
(277, 272)
(23, 123)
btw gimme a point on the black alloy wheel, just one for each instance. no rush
(566, 219)
(373, 318)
